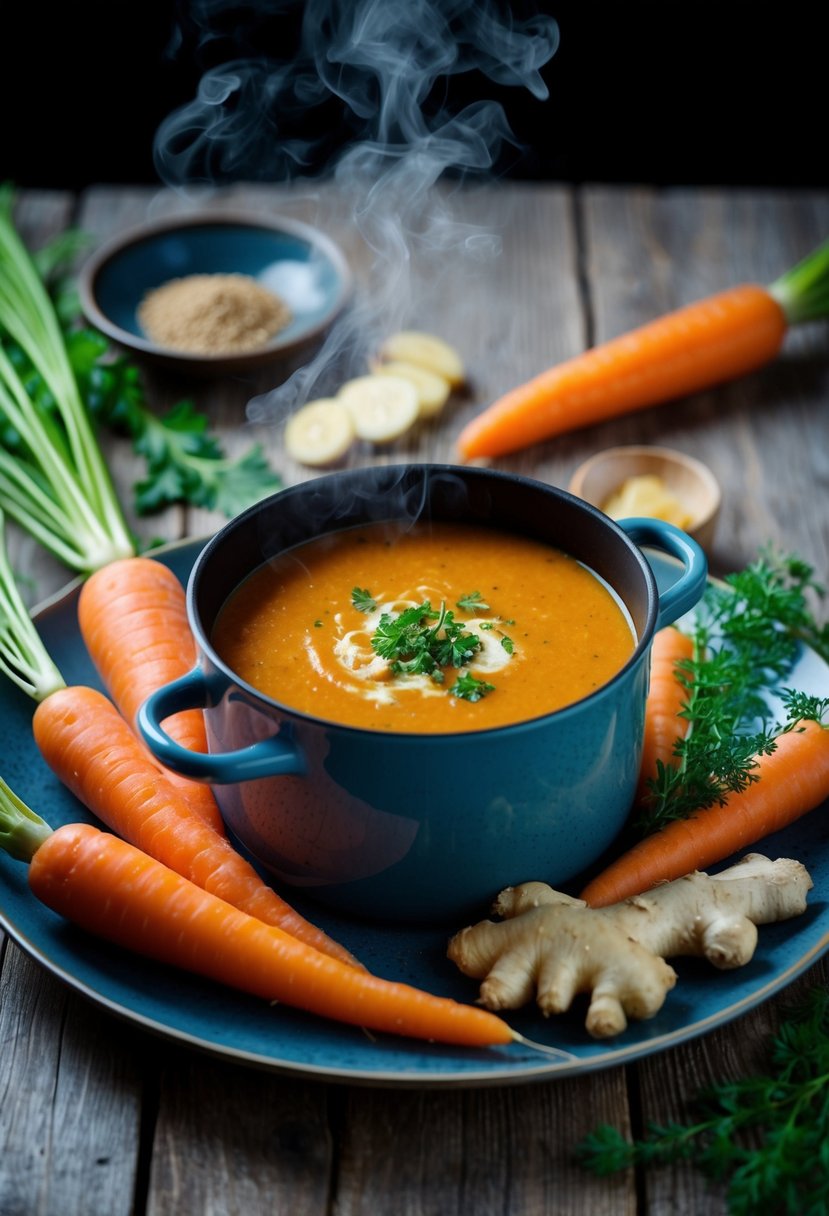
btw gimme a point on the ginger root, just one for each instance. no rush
(554, 946)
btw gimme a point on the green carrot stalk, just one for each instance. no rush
(803, 291)
(61, 491)
(23, 656)
(22, 832)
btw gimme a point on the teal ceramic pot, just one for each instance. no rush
(423, 828)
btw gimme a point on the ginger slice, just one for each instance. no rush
(320, 433)
(425, 350)
(553, 947)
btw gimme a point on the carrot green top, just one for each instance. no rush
(803, 291)
(61, 492)
(23, 656)
(22, 832)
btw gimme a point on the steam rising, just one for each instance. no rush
(373, 72)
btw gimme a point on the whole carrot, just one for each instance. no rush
(690, 349)
(666, 695)
(791, 780)
(133, 619)
(93, 751)
(113, 890)
(152, 910)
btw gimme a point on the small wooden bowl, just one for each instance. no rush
(685, 478)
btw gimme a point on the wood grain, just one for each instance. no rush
(230, 1141)
(487, 1151)
(70, 1100)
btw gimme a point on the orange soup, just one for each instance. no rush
(437, 628)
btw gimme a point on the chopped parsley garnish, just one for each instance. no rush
(474, 602)
(468, 688)
(363, 600)
(422, 640)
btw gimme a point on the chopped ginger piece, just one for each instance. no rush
(647, 495)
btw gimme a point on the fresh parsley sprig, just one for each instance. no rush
(184, 461)
(424, 640)
(786, 1169)
(470, 688)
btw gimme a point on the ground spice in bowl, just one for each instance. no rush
(212, 314)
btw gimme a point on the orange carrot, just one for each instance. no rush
(684, 352)
(133, 619)
(791, 781)
(666, 696)
(690, 349)
(93, 751)
(115, 891)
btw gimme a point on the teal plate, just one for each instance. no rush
(301, 264)
(236, 1027)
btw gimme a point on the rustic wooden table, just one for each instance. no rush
(99, 1118)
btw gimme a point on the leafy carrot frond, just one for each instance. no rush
(787, 1107)
(747, 634)
(803, 707)
(803, 291)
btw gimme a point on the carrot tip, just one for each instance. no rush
(545, 1048)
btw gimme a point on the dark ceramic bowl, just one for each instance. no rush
(299, 263)
(396, 826)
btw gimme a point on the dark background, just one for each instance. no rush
(664, 93)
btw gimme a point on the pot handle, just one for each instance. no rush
(689, 587)
(270, 757)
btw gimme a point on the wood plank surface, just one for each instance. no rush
(649, 251)
(229, 1140)
(97, 1116)
(490, 1151)
(70, 1099)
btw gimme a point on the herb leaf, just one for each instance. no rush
(422, 641)
(468, 688)
(473, 602)
(400, 637)
(363, 600)
(184, 462)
